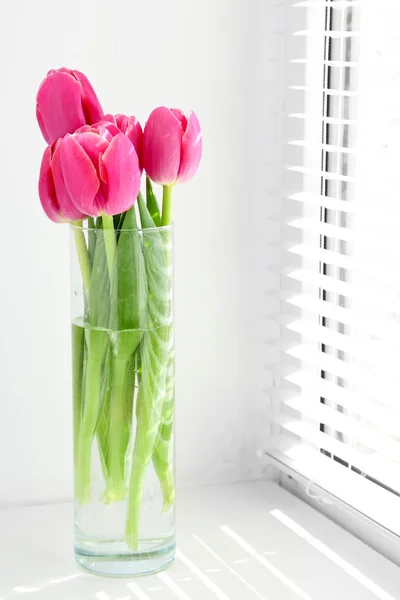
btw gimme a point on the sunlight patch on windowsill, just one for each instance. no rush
(331, 555)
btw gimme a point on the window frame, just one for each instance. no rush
(347, 514)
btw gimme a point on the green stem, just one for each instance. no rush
(163, 451)
(119, 433)
(148, 417)
(78, 351)
(91, 239)
(166, 205)
(155, 354)
(152, 204)
(138, 474)
(165, 474)
(88, 426)
(82, 253)
(103, 423)
(109, 241)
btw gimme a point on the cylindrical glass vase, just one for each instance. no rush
(123, 396)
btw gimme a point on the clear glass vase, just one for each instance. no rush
(123, 395)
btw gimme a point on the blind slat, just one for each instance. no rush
(328, 91)
(320, 255)
(318, 308)
(326, 147)
(369, 236)
(327, 3)
(302, 383)
(374, 266)
(321, 360)
(340, 34)
(373, 464)
(356, 491)
(371, 437)
(339, 299)
(330, 63)
(354, 344)
(318, 280)
(341, 368)
(323, 201)
(322, 118)
(379, 327)
(334, 231)
(319, 173)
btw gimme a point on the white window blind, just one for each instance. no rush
(336, 408)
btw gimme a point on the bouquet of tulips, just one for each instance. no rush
(91, 171)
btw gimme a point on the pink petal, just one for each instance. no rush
(59, 103)
(162, 146)
(180, 115)
(133, 130)
(121, 122)
(67, 207)
(91, 105)
(121, 163)
(131, 127)
(104, 128)
(41, 124)
(84, 129)
(62, 70)
(109, 117)
(192, 145)
(47, 194)
(103, 172)
(107, 129)
(80, 176)
(93, 144)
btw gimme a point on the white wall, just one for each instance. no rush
(211, 56)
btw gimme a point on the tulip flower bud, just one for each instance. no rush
(172, 145)
(131, 127)
(54, 197)
(92, 172)
(65, 101)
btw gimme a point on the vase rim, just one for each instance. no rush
(84, 227)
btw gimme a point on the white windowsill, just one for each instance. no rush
(237, 542)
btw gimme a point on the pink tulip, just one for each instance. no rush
(131, 127)
(172, 145)
(55, 200)
(92, 172)
(65, 101)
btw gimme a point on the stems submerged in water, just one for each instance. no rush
(78, 359)
(155, 352)
(163, 451)
(88, 425)
(120, 419)
(127, 329)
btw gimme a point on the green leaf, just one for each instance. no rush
(129, 289)
(120, 425)
(99, 289)
(127, 322)
(78, 354)
(91, 239)
(163, 451)
(156, 350)
(118, 222)
(152, 204)
(155, 249)
(102, 430)
(97, 342)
